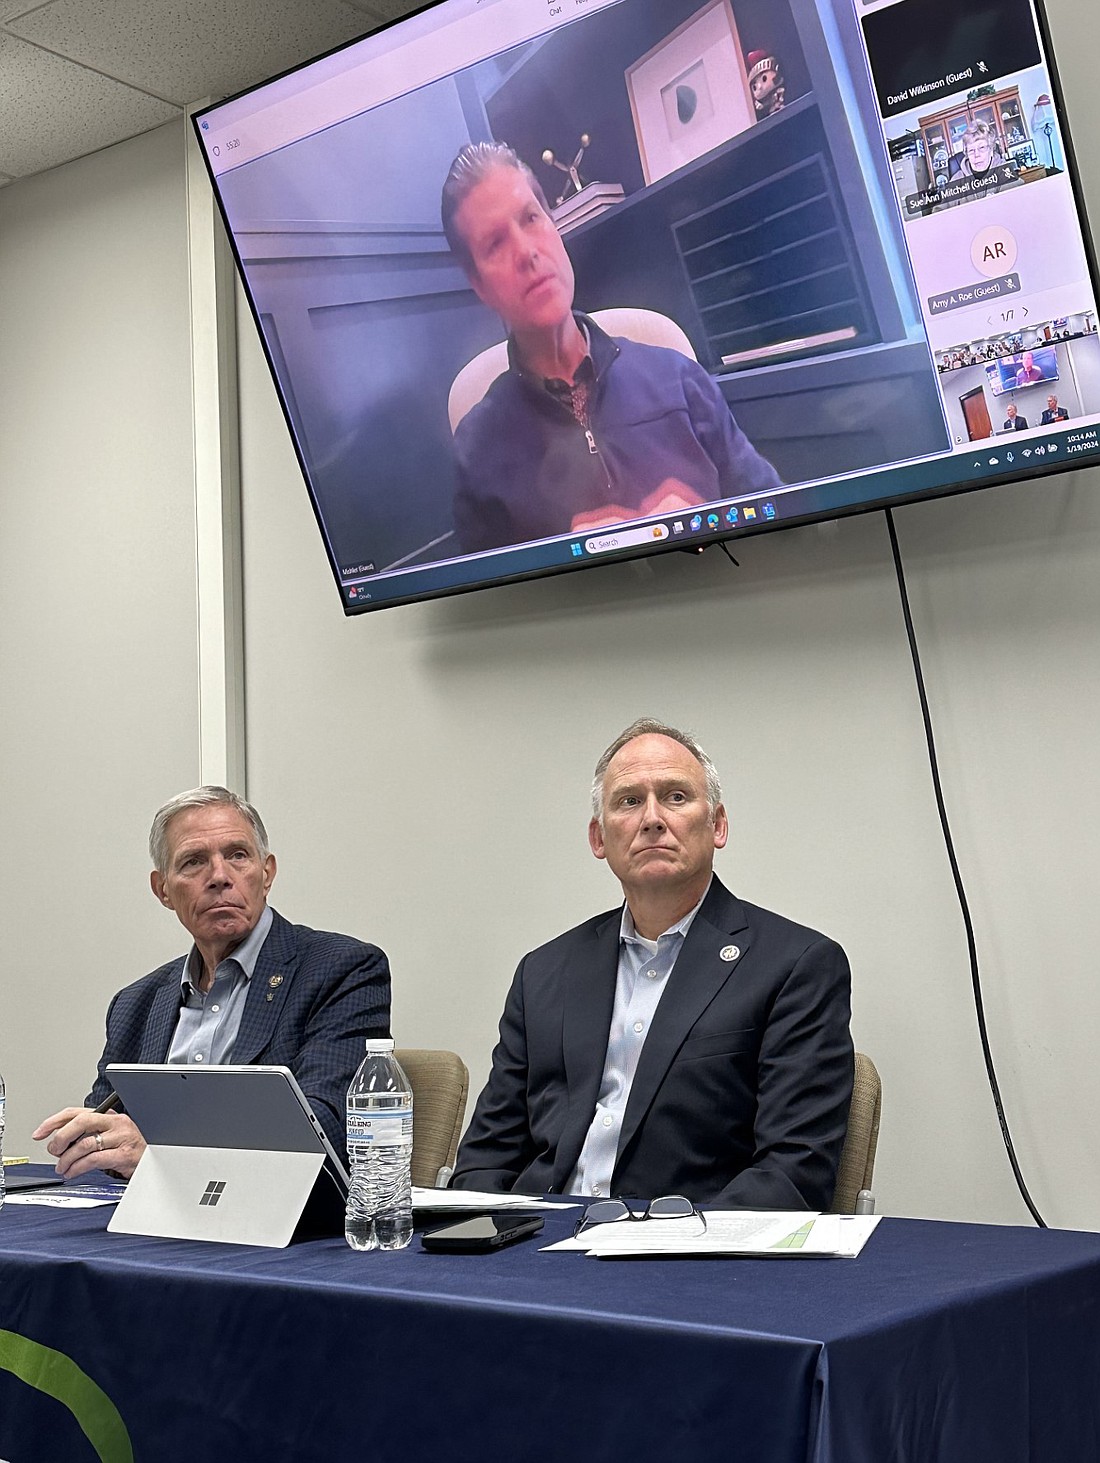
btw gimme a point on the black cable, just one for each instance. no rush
(975, 978)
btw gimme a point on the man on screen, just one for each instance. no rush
(254, 989)
(687, 1043)
(582, 429)
(1014, 422)
(1029, 372)
(1054, 412)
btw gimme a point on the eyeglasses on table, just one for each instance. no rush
(611, 1211)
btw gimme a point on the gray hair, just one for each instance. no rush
(977, 129)
(472, 166)
(647, 726)
(201, 797)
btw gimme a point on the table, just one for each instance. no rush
(942, 1343)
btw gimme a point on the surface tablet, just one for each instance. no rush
(258, 1108)
(235, 1154)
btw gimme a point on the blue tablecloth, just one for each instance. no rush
(942, 1343)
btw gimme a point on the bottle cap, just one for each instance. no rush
(377, 1044)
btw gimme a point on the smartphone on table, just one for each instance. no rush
(482, 1234)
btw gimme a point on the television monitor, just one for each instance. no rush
(789, 253)
(1029, 368)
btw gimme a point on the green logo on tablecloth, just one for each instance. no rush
(59, 1377)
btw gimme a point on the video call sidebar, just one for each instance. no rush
(988, 213)
(979, 239)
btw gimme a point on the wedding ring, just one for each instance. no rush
(99, 1141)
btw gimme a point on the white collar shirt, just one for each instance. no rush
(641, 980)
(209, 1021)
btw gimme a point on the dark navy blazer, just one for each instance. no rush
(313, 999)
(742, 1090)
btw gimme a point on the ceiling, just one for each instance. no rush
(80, 75)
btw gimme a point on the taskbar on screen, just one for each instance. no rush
(980, 464)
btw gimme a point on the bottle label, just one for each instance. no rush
(391, 1129)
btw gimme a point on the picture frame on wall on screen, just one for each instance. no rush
(690, 92)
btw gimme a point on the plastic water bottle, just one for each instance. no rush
(1, 1141)
(380, 1129)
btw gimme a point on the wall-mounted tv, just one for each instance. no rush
(708, 268)
(1030, 368)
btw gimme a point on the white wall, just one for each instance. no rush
(98, 719)
(424, 774)
(423, 770)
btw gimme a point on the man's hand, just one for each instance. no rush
(671, 496)
(602, 517)
(82, 1139)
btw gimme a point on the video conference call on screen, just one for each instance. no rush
(829, 253)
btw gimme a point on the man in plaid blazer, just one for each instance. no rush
(254, 988)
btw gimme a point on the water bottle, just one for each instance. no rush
(1, 1141)
(380, 1129)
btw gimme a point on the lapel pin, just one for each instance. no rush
(270, 997)
(730, 952)
(276, 980)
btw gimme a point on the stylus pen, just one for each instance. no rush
(110, 1101)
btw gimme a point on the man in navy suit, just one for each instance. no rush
(686, 1043)
(254, 989)
(1054, 412)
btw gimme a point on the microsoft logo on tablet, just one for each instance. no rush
(214, 1190)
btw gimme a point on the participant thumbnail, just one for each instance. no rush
(1036, 339)
(991, 139)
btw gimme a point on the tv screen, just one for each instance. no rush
(548, 285)
(1030, 368)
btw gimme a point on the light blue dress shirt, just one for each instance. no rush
(209, 1020)
(644, 969)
